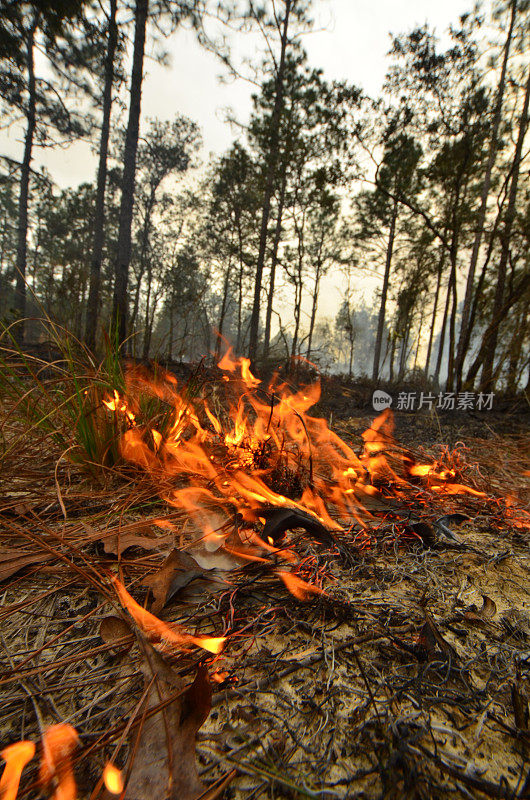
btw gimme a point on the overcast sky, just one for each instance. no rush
(351, 41)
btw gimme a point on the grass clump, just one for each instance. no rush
(60, 391)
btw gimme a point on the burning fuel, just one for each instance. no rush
(16, 757)
(58, 745)
(220, 467)
(157, 630)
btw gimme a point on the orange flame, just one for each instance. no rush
(117, 404)
(214, 467)
(58, 744)
(154, 628)
(300, 589)
(112, 778)
(16, 757)
(219, 676)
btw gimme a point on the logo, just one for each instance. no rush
(381, 400)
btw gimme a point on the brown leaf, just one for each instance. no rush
(480, 615)
(520, 708)
(130, 539)
(164, 765)
(11, 561)
(431, 638)
(114, 630)
(489, 609)
(177, 571)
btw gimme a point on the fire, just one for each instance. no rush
(218, 467)
(58, 744)
(112, 778)
(219, 676)
(119, 405)
(300, 589)
(16, 757)
(154, 628)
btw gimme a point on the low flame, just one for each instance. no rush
(300, 589)
(58, 744)
(219, 676)
(112, 778)
(16, 757)
(118, 405)
(155, 629)
(215, 467)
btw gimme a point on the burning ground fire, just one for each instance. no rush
(245, 477)
(224, 469)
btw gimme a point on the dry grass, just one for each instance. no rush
(392, 684)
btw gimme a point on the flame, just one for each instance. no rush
(119, 405)
(58, 744)
(16, 757)
(112, 778)
(219, 676)
(154, 628)
(300, 589)
(218, 466)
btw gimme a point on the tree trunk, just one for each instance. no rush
(239, 283)
(149, 323)
(350, 362)
(452, 330)
(297, 313)
(119, 311)
(274, 262)
(414, 366)
(269, 184)
(516, 347)
(392, 357)
(170, 335)
(222, 312)
(465, 330)
(403, 354)
(444, 328)
(99, 212)
(22, 240)
(384, 293)
(314, 309)
(519, 291)
(490, 343)
(147, 333)
(146, 230)
(435, 309)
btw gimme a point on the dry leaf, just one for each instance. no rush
(114, 630)
(164, 765)
(489, 609)
(129, 539)
(430, 639)
(520, 708)
(11, 561)
(177, 571)
(480, 615)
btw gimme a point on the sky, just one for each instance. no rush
(350, 41)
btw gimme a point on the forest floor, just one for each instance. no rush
(407, 677)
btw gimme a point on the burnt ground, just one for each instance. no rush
(408, 678)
